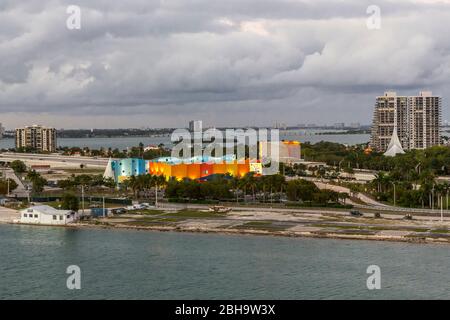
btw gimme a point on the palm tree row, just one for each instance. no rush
(145, 183)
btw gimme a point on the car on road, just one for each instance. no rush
(146, 205)
(408, 217)
(137, 207)
(118, 211)
(356, 213)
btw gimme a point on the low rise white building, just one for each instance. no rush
(47, 215)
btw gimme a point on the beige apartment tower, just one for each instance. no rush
(37, 138)
(416, 120)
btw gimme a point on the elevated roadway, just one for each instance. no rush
(53, 160)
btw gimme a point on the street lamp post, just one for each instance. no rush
(432, 198)
(156, 195)
(82, 199)
(393, 183)
(446, 199)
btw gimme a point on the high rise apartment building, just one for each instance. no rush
(416, 120)
(195, 125)
(37, 138)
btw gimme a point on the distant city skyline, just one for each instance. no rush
(240, 62)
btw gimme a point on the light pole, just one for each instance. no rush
(82, 199)
(447, 199)
(104, 213)
(431, 196)
(393, 183)
(156, 195)
(442, 211)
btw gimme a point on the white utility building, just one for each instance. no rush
(47, 215)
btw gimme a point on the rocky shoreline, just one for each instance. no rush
(295, 224)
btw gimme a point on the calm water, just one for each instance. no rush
(153, 265)
(124, 142)
(96, 143)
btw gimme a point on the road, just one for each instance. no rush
(20, 191)
(54, 160)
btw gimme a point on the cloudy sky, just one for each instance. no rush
(158, 63)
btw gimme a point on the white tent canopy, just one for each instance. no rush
(394, 147)
(109, 173)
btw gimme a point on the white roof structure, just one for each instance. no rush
(109, 173)
(44, 209)
(394, 147)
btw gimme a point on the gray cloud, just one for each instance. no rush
(163, 62)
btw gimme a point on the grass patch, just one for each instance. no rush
(439, 231)
(263, 225)
(154, 222)
(323, 225)
(399, 229)
(160, 219)
(357, 232)
(149, 212)
(258, 223)
(194, 214)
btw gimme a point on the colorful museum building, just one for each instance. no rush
(169, 167)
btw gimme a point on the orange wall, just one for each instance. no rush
(206, 169)
(196, 171)
(193, 171)
(179, 171)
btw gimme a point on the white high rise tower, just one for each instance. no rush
(413, 121)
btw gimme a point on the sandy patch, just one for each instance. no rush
(8, 215)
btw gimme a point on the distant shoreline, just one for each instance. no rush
(343, 132)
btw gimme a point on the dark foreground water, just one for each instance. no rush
(153, 265)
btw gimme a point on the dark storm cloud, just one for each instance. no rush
(283, 59)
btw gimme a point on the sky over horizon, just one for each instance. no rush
(161, 63)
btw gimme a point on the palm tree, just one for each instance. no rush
(158, 181)
(251, 182)
(381, 179)
(235, 182)
(135, 184)
(264, 181)
(32, 175)
(446, 189)
(342, 196)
